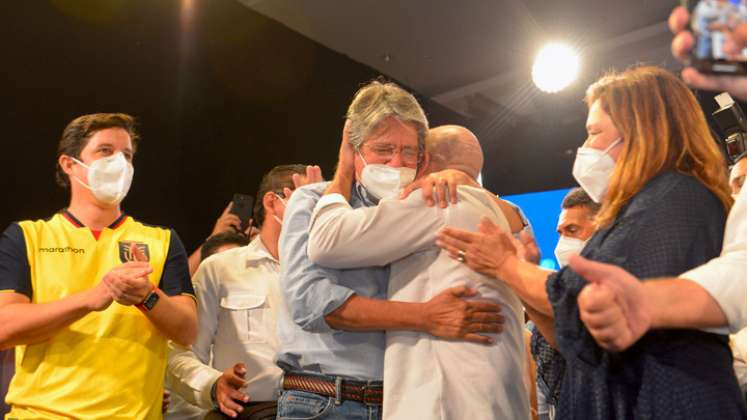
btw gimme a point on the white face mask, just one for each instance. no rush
(592, 170)
(109, 178)
(383, 181)
(566, 247)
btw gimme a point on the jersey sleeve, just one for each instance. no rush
(175, 279)
(15, 273)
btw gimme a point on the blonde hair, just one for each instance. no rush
(663, 129)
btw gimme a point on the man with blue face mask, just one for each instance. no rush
(332, 330)
(93, 296)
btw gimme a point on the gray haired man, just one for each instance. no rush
(332, 328)
(449, 379)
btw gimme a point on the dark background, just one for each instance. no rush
(222, 95)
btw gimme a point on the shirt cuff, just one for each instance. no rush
(201, 383)
(712, 278)
(338, 296)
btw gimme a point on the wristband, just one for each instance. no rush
(214, 393)
(150, 300)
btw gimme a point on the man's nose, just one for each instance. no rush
(396, 160)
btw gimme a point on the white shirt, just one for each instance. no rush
(725, 277)
(738, 344)
(424, 376)
(237, 298)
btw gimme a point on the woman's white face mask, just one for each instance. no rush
(592, 170)
(109, 178)
(383, 181)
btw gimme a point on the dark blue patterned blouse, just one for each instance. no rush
(672, 225)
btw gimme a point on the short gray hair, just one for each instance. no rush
(377, 101)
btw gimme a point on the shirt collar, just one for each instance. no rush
(77, 223)
(359, 192)
(257, 251)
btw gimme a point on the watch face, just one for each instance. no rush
(150, 301)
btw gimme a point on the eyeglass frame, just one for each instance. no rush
(418, 159)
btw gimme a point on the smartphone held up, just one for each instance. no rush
(242, 206)
(711, 22)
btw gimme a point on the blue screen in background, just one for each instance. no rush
(542, 209)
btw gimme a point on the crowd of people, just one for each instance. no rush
(401, 288)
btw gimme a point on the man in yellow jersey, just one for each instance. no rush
(91, 296)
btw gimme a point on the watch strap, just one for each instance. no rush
(145, 305)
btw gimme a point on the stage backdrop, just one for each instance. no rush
(222, 95)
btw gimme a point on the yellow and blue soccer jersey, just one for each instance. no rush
(108, 364)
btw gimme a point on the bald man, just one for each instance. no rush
(425, 376)
(738, 341)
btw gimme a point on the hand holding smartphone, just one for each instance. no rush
(711, 22)
(242, 206)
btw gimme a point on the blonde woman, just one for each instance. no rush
(650, 161)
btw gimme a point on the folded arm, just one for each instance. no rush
(343, 237)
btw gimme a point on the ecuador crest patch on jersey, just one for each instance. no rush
(125, 250)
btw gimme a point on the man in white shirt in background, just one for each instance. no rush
(425, 376)
(238, 295)
(739, 340)
(737, 175)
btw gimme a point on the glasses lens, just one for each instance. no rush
(386, 152)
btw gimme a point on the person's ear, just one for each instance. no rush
(268, 202)
(66, 163)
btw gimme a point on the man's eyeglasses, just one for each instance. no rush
(409, 155)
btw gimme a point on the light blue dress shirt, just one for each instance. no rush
(307, 343)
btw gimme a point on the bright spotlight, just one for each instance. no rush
(555, 67)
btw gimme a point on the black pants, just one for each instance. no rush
(252, 411)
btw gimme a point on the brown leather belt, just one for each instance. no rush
(371, 393)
